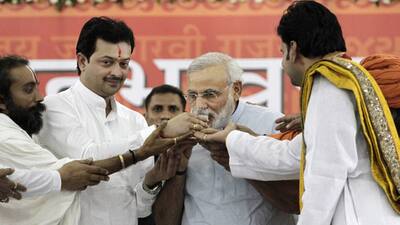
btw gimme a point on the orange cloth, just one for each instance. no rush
(288, 135)
(386, 71)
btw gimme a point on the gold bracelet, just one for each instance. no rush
(121, 158)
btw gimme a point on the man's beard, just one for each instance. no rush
(221, 119)
(29, 119)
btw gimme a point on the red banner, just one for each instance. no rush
(170, 35)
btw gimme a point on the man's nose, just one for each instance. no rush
(117, 70)
(38, 96)
(200, 103)
(166, 115)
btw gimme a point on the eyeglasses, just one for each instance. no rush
(210, 95)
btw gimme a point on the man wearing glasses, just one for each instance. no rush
(212, 195)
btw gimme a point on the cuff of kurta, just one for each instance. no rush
(142, 194)
(234, 147)
(56, 177)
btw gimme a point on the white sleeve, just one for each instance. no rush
(263, 158)
(144, 201)
(64, 133)
(37, 182)
(330, 137)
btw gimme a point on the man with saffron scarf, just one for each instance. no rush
(349, 170)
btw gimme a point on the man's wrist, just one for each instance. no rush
(140, 154)
(152, 190)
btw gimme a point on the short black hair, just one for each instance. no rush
(313, 27)
(7, 63)
(165, 89)
(107, 29)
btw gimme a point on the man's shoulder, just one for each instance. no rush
(125, 111)
(260, 119)
(10, 131)
(59, 100)
(260, 110)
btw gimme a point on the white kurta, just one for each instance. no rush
(262, 157)
(19, 151)
(214, 197)
(339, 188)
(37, 182)
(76, 125)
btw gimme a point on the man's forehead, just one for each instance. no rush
(34, 76)
(165, 99)
(23, 74)
(213, 77)
(120, 50)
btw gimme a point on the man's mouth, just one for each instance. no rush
(113, 82)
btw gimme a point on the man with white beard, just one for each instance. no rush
(212, 196)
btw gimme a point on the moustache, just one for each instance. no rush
(113, 78)
(38, 108)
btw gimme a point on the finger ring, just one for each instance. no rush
(175, 141)
(194, 126)
(204, 137)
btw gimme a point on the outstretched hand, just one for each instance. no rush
(182, 124)
(78, 174)
(214, 135)
(164, 168)
(289, 122)
(155, 144)
(184, 149)
(214, 141)
(9, 188)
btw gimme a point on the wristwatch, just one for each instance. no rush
(154, 190)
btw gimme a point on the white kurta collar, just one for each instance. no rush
(93, 99)
(6, 121)
(238, 111)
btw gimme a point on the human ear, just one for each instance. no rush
(82, 61)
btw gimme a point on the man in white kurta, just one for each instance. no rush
(88, 132)
(35, 167)
(19, 151)
(87, 121)
(36, 182)
(347, 193)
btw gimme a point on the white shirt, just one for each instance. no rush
(214, 197)
(262, 157)
(76, 125)
(37, 182)
(19, 151)
(339, 188)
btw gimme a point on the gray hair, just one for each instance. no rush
(214, 59)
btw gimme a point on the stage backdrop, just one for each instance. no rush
(169, 35)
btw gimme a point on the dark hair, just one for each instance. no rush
(313, 27)
(7, 63)
(104, 28)
(165, 89)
